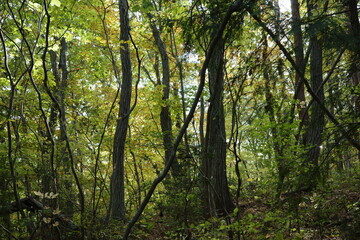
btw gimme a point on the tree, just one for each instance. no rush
(216, 188)
(353, 15)
(117, 201)
(60, 72)
(165, 116)
(313, 134)
(299, 57)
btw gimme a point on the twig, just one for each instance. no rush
(8, 232)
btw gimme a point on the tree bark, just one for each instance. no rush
(312, 137)
(299, 58)
(354, 71)
(117, 197)
(217, 195)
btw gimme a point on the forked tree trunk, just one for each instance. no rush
(61, 79)
(165, 116)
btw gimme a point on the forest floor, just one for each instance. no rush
(332, 212)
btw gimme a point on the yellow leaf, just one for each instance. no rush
(56, 3)
(46, 220)
(39, 194)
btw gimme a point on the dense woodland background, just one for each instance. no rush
(187, 119)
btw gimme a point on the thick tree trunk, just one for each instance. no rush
(317, 121)
(117, 197)
(216, 186)
(352, 6)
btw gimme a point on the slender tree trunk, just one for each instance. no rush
(201, 124)
(117, 197)
(10, 118)
(299, 58)
(180, 90)
(61, 79)
(165, 117)
(275, 135)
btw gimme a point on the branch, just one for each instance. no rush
(303, 79)
(8, 232)
(322, 85)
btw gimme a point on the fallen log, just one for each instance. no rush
(27, 203)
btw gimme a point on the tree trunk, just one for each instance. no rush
(299, 58)
(214, 163)
(61, 85)
(277, 139)
(354, 70)
(313, 138)
(117, 197)
(165, 117)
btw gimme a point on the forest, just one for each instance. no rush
(179, 119)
